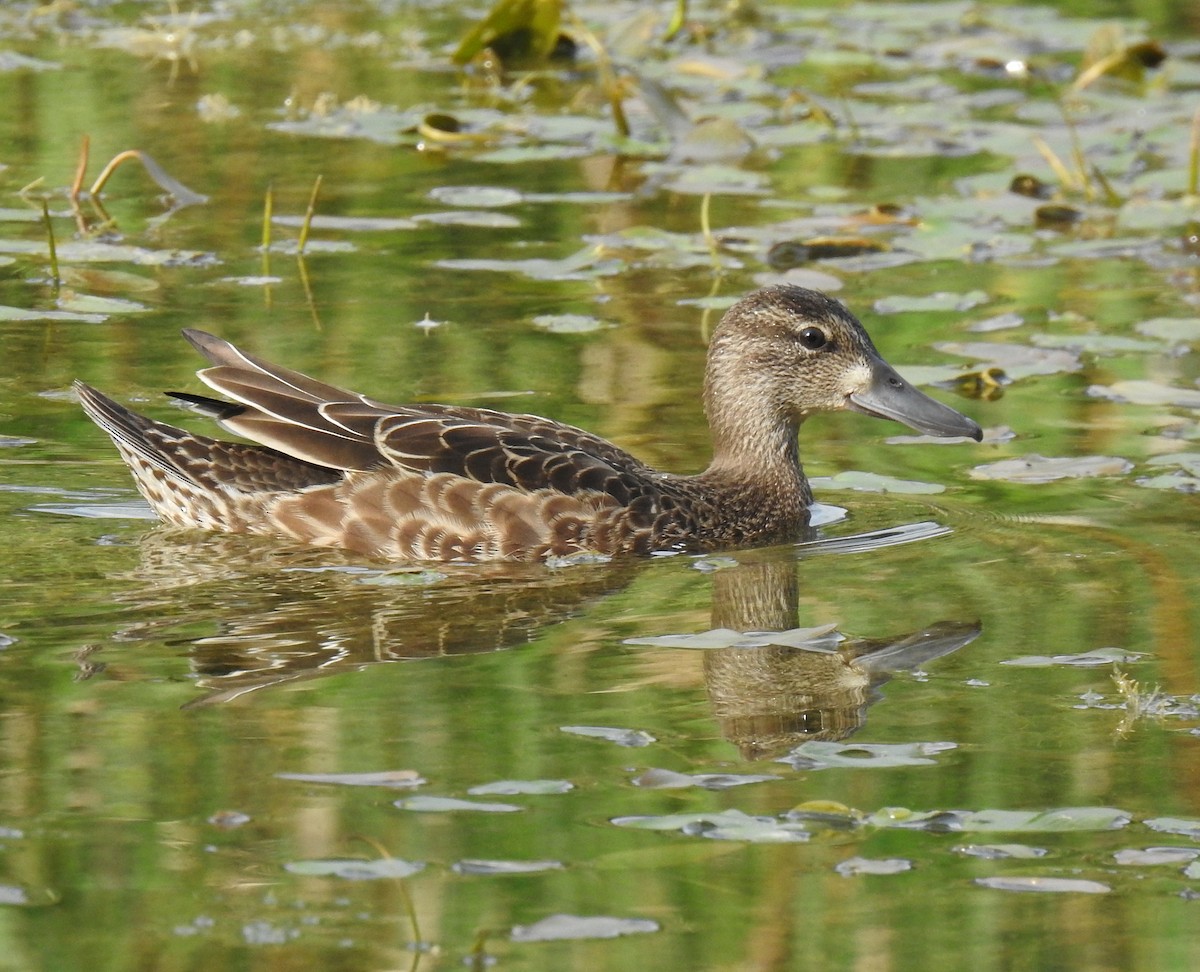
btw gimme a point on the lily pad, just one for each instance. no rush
(662, 779)
(730, 825)
(583, 265)
(1052, 885)
(1069, 819)
(568, 323)
(351, 224)
(1184, 826)
(93, 304)
(488, 867)
(1000, 852)
(1043, 469)
(632, 738)
(435, 804)
(557, 928)
(868, 482)
(854, 866)
(1155, 856)
(1017, 361)
(473, 218)
(942, 301)
(484, 196)
(1097, 658)
(1142, 392)
(517, 787)
(27, 314)
(819, 754)
(1171, 328)
(356, 870)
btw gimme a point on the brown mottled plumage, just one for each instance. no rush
(440, 482)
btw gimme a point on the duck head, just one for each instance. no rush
(784, 353)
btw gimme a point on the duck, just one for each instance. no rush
(333, 468)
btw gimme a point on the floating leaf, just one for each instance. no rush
(1170, 328)
(92, 304)
(356, 870)
(1068, 819)
(435, 804)
(583, 265)
(488, 867)
(1155, 856)
(662, 779)
(1042, 469)
(1181, 482)
(867, 482)
(558, 928)
(25, 314)
(473, 218)
(353, 224)
(1017, 361)
(1096, 658)
(1094, 343)
(998, 852)
(516, 787)
(1001, 322)
(389, 778)
(568, 323)
(854, 866)
(1046, 884)
(930, 303)
(1185, 826)
(820, 754)
(633, 738)
(1146, 393)
(485, 196)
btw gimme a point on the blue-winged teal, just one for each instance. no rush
(440, 482)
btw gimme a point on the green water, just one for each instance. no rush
(185, 718)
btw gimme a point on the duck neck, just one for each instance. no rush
(754, 444)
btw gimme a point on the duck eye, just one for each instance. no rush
(813, 338)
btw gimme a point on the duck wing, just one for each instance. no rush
(339, 429)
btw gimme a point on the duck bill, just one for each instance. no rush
(887, 395)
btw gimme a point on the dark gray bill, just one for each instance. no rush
(890, 396)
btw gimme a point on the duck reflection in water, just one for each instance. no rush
(292, 614)
(770, 698)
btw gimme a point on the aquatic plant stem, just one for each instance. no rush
(610, 83)
(706, 226)
(409, 908)
(1055, 163)
(678, 19)
(85, 146)
(268, 206)
(308, 215)
(1077, 152)
(53, 249)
